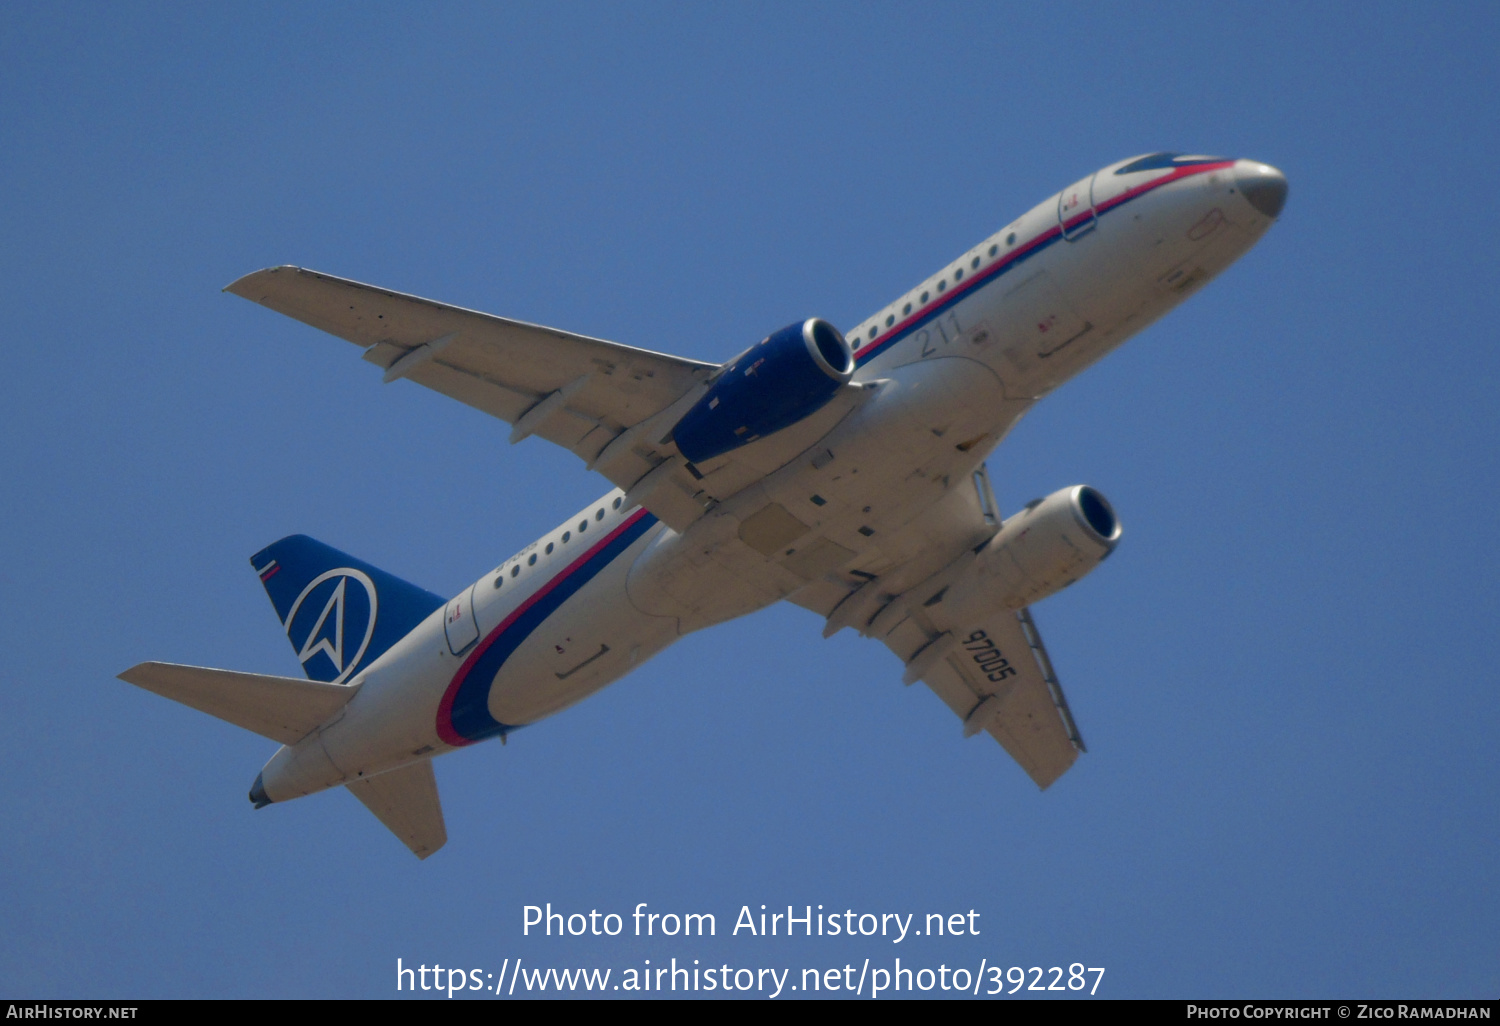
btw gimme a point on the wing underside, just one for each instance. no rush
(997, 678)
(995, 674)
(612, 405)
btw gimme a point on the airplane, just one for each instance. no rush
(841, 471)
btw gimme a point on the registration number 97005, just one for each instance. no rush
(992, 663)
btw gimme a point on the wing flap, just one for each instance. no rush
(284, 709)
(406, 801)
(469, 388)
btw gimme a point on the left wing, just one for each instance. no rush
(610, 404)
(995, 675)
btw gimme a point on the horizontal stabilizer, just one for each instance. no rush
(284, 709)
(406, 801)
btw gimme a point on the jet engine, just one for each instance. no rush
(1038, 552)
(787, 376)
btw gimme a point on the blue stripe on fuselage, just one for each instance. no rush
(986, 275)
(469, 717)
(981, 278)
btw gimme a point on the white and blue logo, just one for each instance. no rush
(331, 623)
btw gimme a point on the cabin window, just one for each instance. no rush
(994, 250)
(890, 319)
(549, 548)
(599, 513)
(566, 536)
(942, 284)
(531, 559)
(924, 297)
(583, 525)
(515, 571)
(1010, 240)
(872, 331)
(616, 503)
(958, 275)
(906, 309)
(499, 580)
(975, 262)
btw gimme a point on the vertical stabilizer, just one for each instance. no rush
(339, 613)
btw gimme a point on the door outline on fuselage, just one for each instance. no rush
(460, 627)
(1067, 211)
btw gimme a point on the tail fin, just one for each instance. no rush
(339, 613)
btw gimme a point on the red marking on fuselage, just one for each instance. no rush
(445, 707)
(984, 276)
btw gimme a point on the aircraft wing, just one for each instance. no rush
(997, 678)
(608, 403)
(995, 675)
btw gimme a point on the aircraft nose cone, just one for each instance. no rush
(1262, 185)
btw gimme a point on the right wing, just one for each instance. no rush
(610, 404)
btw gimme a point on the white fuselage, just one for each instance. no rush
(948, 368)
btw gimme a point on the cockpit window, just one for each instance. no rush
(1160, 161)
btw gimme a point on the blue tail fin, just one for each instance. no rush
(339, 613)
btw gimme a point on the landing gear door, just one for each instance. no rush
(1075, 209)
(459, 623)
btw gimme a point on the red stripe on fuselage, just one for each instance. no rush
(445, 707)
(984, 276)
(1156, 183)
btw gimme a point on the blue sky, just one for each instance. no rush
(1285, 674)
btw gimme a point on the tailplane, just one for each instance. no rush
(284, 709)
(406, 801)
(339, 613)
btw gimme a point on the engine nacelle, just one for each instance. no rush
(787, 376)
(1038, 552)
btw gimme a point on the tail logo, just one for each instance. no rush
(341, 630)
